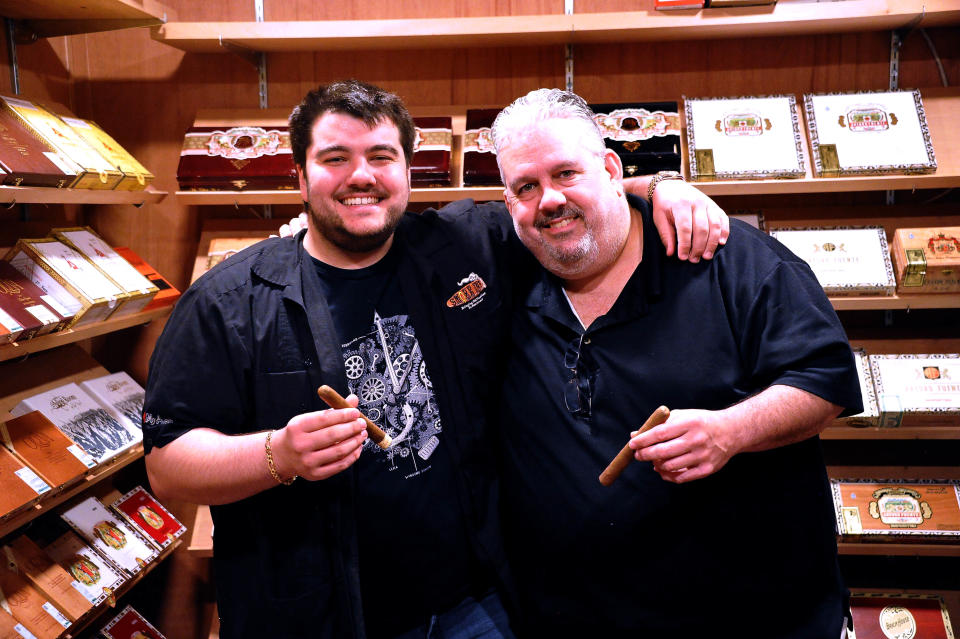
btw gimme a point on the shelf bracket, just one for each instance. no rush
(568, 51)
(249, 55)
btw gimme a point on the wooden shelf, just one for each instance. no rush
(891, 434)
(48, 18)
(898, 549)
(39, 195)
(784, 18)
(201, 533)
(54, 499)
(97, 612)
(53, 340)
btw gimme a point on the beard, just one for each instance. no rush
(563, 261)
(331, 227)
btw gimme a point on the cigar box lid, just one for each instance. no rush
(44, 448)
(645, 135)
(928, 247)
(239, 157)
(885, 615)
(81, 419)
(907, 508)
(74, 267)
(109, 535)
(869, 132)
(10, 628)
(85, 240)
(59, 295)
(479, 157)
(748, 137)
(48, 577)
(156, 523)
(871, 412)
(130, 623)
(908, 382)
(121, 395)
(27, 157)
(30, 607)
(16, 287)
(846, 260)
(109, 148)
(61, 136)
(21, 486)
(97, 577)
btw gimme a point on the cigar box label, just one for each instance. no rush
(240, 143)
(899, 507)
(141, 509)
(478, 141)
(432, 140)
(918, 383)
(13, 327)
(873, 132)
(94, 577)
(109, 535)
(23, 632)
(80, 454)
(851, 520)
(120, 395)
(846, 261)
(130, 624)
(637, 124)
(897, 623)
(32, 480)
(59, 161)
(751, 137)
(56, 614)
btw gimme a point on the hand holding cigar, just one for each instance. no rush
(625, 456)
(335, 400)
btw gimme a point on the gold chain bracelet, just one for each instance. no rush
(271, 466)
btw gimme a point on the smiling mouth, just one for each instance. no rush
(557, 223)
(360, 200)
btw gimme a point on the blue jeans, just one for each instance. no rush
(469, 619)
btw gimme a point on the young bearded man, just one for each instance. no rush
(318, 532)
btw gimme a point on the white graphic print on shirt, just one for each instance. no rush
(385, 369)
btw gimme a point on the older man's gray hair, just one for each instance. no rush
(544, 104)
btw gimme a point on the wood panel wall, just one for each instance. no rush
(146, 95)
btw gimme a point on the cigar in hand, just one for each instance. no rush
(334, 400)
(625, 456)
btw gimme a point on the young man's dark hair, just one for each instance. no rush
(358, 99)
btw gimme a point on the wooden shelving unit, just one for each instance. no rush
(48, 18)
(785, 18)
(11, 195)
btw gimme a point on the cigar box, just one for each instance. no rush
(83, 420)
(917, 389)
(479, 158)
(135, 176)
(109, 535)
(49, 579)
(27, 159)
(847, 261)
(56, 295)
(10, 628)
(744, 138)
(927, 260)
(28, 606)
(223, 247)
(897, 508)
(95, 172)
(237, 158)
(432, 147)
(43, 448)
(146, 514)
(84, 240)
(99, 297)
(96, 577)
(24, 300)
(10, 329)
(871, 412)
(130, 623)
(903, 616)
(120, 395)
(645, 135)
(167, 294)
(868, 133)
(22, 487)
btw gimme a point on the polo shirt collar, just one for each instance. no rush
(280, 266)
(645, 285)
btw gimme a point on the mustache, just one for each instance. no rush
(566, 210)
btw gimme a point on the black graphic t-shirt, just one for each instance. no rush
(415, 557)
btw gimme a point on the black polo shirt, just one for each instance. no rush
(751, 544)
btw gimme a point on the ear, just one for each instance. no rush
(304, 185)
(614, 168)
